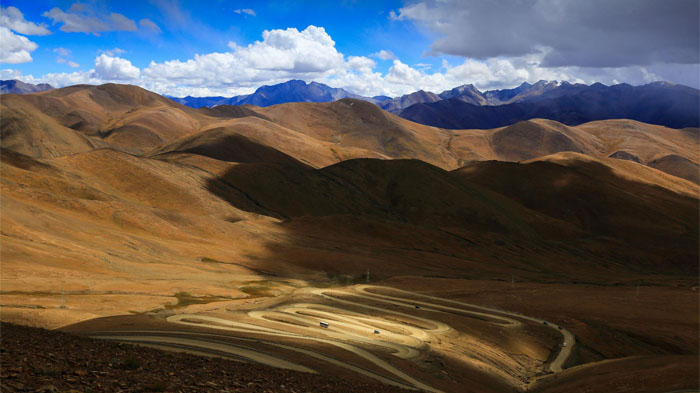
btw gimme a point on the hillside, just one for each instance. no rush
(669, 105)
(81, 118)
(232, 231)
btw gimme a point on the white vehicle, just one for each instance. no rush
(324, 324)
(564, 345)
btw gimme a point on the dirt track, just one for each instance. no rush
(349, 330)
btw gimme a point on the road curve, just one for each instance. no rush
(352, 331)
(567, 337)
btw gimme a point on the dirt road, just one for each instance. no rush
(406, 336)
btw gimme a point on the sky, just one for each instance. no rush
(227, 48)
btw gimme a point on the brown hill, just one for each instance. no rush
(318, 134)
(591, 195)
(121, 115)
(678, 166)
(362, 125)
(224, 144)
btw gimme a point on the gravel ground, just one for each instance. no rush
(38, 360)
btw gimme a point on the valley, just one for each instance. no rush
(234, 231)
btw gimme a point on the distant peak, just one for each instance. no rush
(661, 83)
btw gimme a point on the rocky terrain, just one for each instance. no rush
(38, 360)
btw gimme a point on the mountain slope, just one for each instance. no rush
(395, 105)
(362, 125)
(14, 86)
(291, 91)
(80, 118)
(593, 196)
(656, 103)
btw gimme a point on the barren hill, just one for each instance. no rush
(118, 202)
(81, 118)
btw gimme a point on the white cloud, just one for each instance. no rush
(115, 68)
(245, 11)
(69, 62)
(63, 52)
(114, 52)
(361, 62)
(281, 55)
(385, 55)
(15, 48)
(149, 25)
(311, 55)
(63, 55)
(12, 18)
(79, 18)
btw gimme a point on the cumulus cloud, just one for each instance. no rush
(115, 68)
(361, 62)
(595, 33)
(281, 55)
(311, 55)
(149, 25)
(15, 48)
(13, 19)
(245, 11)
(80, 18)
(385, 55)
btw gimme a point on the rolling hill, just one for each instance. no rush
(120, 203)
(81, 118)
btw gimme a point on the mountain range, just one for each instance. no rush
(347, 158)
(655, 103)
(465, 106)
(290, 91)
(133, 201)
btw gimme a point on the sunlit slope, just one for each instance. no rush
(80, 118)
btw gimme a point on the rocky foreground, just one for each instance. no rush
(38, 360)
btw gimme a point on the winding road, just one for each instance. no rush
(406, 336)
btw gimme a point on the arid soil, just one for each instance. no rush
(47, 361)
(121, 207)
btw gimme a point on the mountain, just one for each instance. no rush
(14, 86)
(127, 118)
(290, 91)
(465, 93)
(294, 91)
(397, 104)
(122, 209)
(665, 104)
(199, 102)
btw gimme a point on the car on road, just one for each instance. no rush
(417, 306)
(564, 345)
(324, 324)
(376, 331)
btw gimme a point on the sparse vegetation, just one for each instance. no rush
(131, 363)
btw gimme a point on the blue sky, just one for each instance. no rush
(369, 47)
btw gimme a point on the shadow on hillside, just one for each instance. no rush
(488, 220)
